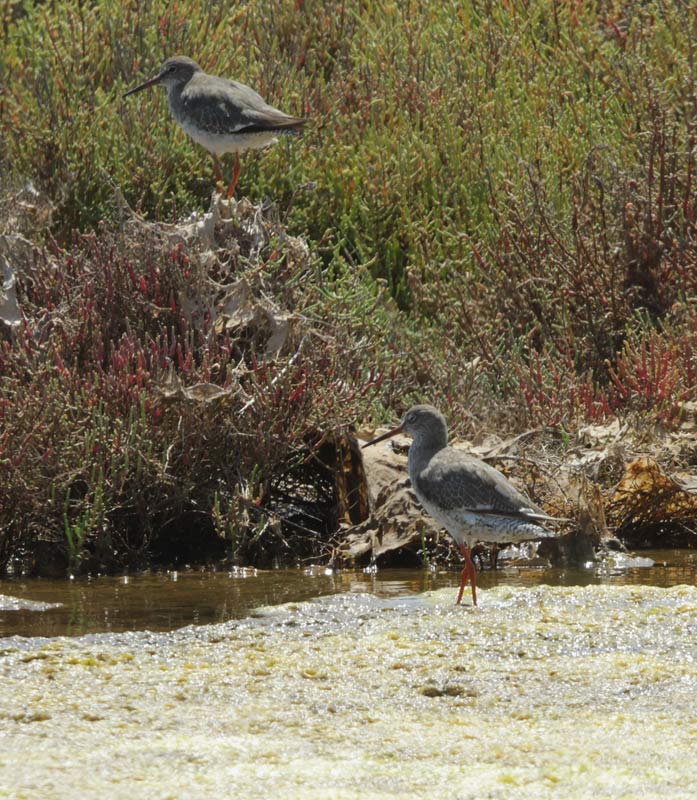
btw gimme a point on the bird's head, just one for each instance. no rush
(420, 422)
(175, 72)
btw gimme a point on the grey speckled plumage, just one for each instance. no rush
(471, 499)
(222, 107)
(222, 115)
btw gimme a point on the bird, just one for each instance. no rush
(471, 499)
(221, 115)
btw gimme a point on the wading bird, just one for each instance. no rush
(221, 115)
(473, 501)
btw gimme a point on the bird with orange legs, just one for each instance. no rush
(473, 501)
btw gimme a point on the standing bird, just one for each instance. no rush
(221, 115)
(473, 501)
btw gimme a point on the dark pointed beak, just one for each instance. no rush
(384, 436)
(142, 86)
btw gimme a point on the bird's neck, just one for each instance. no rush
(423, 449)
(174, 95)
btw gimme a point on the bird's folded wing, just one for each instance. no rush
(270, 119)
(216, 114)
(453, 481)
(231, 107)
(522, 513)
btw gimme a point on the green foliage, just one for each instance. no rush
(421, 111)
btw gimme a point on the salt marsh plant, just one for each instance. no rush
(498, 203)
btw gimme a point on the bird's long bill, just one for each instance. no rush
(142, 86)
(384, 436)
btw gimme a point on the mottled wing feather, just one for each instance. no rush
(271, 120)
(222, 106)
(456, 482)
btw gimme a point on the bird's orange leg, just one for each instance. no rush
(235, 177)
(218, 173)
(463, 583)
(468, 571)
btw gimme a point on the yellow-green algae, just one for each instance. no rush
(538, 693)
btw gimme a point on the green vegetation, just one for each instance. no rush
(499, 205)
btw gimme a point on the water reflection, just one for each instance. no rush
(162, 601)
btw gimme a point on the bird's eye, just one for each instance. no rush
(172, 69)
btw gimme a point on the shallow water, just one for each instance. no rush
(162, 601)
(541, 692)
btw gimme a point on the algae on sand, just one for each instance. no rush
(538, 693)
